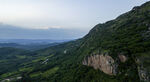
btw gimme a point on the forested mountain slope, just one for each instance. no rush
(115, 51)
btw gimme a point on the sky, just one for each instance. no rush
(81, 15)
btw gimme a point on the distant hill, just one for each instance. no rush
(30, 44)
(11, 58)
(30, 47)
(31, 41)
(16, 32)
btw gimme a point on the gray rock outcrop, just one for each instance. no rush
(103, 62)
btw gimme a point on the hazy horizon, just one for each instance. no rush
(53, 19)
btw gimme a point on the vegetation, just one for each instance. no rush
(128, 34)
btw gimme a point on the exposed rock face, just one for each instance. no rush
(143, 74)
(65, 51)
(11, 79)
(122, 58)
(103, 62)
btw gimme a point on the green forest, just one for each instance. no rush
(129, 33)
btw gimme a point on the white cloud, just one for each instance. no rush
(46, 14)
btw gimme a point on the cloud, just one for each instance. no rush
(55, 33)
(46, 14)
(46, 27)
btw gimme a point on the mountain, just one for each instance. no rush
(115, 51)
(31, 47)
(31, 41)
(11, 58)
(16, 32)
(30, 44)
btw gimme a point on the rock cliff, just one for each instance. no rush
(103, 62)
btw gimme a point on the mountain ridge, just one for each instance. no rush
(125, 41)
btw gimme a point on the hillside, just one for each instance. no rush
(11, 58)
(31, 47)
(115, 51)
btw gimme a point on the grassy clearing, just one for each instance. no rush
(25, 69)
(41, 58)
(47, 73)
